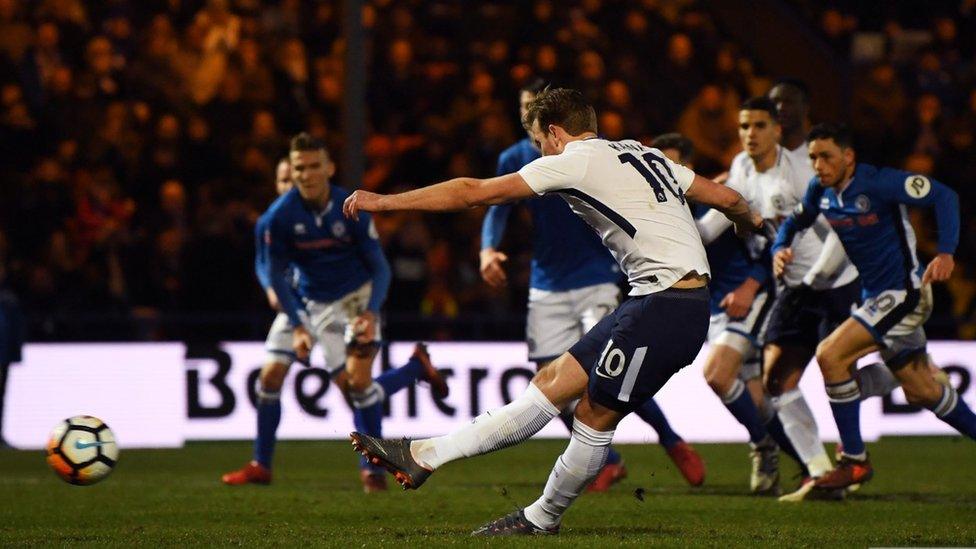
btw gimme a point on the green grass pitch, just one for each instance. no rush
(924, 493)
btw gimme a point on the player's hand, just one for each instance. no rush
(364, 327)
(272, 299)
(738, 302)
(491, 267)
(361, 201)
(781, 259)
(301, 343)
(940, 269)
(755, 224)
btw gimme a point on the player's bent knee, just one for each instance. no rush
(719, 375)
(596, 416)
(562, 381)
(273, 377)
(828, 359)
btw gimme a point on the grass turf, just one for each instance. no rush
(924, 493)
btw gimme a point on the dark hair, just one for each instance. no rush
(533, 86)
(563, 107)
(760, 103)
(797, 84)
(840, 133)
(305, 142)
(675, 141)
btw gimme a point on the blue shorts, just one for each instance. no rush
(803, 317)
(634, 351)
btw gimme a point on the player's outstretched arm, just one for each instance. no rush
(456, 194)
(727, 201)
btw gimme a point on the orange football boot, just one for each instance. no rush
(252, 473)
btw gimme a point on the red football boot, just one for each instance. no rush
(252, 473)
(431, 375)
(848, 472)
(689, 463)
(611, 474)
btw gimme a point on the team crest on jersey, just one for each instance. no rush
(300, 228)
(338, 229)
(917, 186)
(779, 202)
(862, 203)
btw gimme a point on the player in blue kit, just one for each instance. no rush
(328, 277)
(573, 285)
(867, 208)
(636, 200)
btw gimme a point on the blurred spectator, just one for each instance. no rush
(878, 112)
(711, 122)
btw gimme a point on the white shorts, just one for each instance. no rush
(743, 334)
(331, 327)
(557, 320)
(895, 319)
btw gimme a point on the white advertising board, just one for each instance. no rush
(157, 395)
(137, 389)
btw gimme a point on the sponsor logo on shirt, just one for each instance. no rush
(862, 203)
(917, 186)
(300, 228)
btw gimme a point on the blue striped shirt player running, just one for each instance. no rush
(328, 277)
(868, 209)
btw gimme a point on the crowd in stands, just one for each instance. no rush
(138, 138)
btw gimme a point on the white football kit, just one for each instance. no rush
(643, 222)
(634, 197)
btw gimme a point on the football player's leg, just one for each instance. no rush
(722, 375)
(591, 305)
(913, 370)
(784, 367)
(625, 375)
(922, 390)
(551, 328)
(836, 356)
(578, 465)
(875, 379)
(269, 409)
(366, 396)
(551, 389)
(654, 416)
(279, 358)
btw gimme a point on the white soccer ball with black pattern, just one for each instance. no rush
(82, 450)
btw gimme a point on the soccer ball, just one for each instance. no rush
(82, 450)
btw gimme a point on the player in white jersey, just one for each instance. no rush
(636, 201)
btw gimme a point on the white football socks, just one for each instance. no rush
(573, 471)
(875, 379)
(801, 428)
(492, 430)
